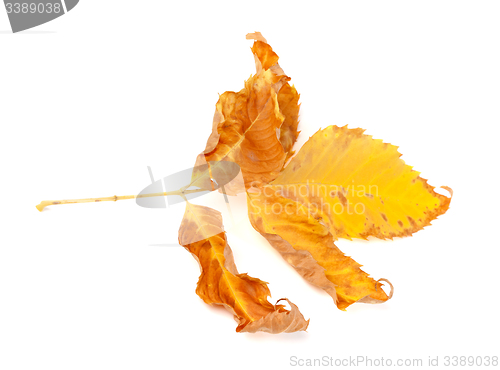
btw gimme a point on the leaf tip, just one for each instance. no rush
(257, 36)
(391, 293)
(448, 189)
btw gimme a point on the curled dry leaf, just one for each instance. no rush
(202, 234)
(257, 126)
(279, 321)
(308, 245)
(288, 98)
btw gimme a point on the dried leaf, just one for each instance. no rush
(358, 186)
(202, 234)
(342, 183)
(247, 135)
(288, 98)
(274, 323)
(257, 126)
(307, 244)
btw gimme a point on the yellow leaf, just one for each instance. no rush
(359, 186)
(202, 234)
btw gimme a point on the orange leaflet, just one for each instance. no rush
(257, 126)
(202, 234)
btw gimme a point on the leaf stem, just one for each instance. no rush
(114, 198)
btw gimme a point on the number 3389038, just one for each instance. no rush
(32, 8)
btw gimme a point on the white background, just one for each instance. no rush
(89, 100)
